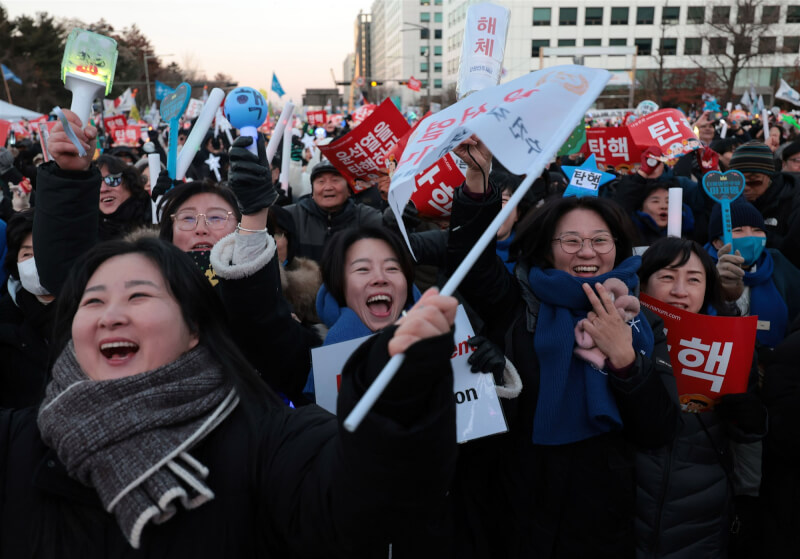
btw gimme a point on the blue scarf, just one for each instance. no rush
(502, 251)
(343, 324)
(575, 399)
(765, 299)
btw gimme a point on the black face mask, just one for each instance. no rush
(202, 259)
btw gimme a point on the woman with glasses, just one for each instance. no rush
(568, 459)
(124, 203)
(196, 217)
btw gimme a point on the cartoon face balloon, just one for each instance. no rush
(244, 106)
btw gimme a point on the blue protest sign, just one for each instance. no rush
(172, 108)
(724, 188)
(586, 179)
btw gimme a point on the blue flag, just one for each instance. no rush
(9, 75)
(276, 86)
(162, 90)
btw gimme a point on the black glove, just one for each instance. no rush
(487, 358)
(744, 412)
(250, 177)
(163, 184)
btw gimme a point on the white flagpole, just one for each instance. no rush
(380, 383)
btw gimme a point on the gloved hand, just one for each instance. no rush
(6, 160)
(744, 412)
(487, 358)
(249, 176)
(731, 273)
(163, 185)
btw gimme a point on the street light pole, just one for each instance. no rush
(430, 43)
(147, 75)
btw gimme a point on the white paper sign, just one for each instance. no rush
(523, 122)
(478, 410)
(483, 48)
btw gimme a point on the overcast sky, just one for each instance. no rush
(300, 40)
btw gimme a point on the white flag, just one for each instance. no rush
(746, 101)
(786, 93)
(523, 122)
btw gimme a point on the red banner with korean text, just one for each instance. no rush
(613, 147)
(360, 155)
(361, 113)
(317, 118)
(414, 84)
(5, 127)
(710, 355)
(128, 136)
(433, 195)
(118, 122)
(668, 130)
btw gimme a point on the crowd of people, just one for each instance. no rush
(157, 390)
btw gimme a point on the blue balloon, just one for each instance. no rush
(244, 106)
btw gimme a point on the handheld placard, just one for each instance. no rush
(483, 48)
(87, 69)
(172, 108)
(724, 188)
(277, 133)
(201, 126)
(246, 110)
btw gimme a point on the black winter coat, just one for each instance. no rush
(315, 226)
(574, 500)
(291, 485)
(780, 207)
(25, 330)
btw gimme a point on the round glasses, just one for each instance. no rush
(601, 244)
(187, 221)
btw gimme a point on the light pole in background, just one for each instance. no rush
(147, 74)
(430, 39)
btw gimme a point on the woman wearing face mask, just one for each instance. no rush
(686, 489)
(567, 461)
(26, 318)
(761, 281)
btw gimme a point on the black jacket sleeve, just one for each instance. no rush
(334, 493)
(65, 221)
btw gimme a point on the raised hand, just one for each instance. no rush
(731, 273)
(432, 316)
(611, 334)
(64, 152)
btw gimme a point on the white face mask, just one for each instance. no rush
(29, 277)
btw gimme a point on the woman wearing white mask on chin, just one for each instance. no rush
(26, 318)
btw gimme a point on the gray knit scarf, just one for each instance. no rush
(129, 438)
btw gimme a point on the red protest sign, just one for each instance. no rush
(414, 84)
(5, 126)
(613, 146)
(361, 113)
(361, 153)
(317, 118)
(113, 123)
(433, 195)
(127, 136)
(666, 129)
(710, 355)
(21, 129)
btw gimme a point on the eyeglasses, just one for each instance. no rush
(795, 160)
(113, 180)
(601, 244)
(187, 221)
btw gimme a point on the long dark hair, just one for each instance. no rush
(534, 240)
(176, 197)
(200, 306)
(674, 252)
(334, 266)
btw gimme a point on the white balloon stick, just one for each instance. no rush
(286, 157)
(198, 132)
(154, 166)
(675, 212)
(277, 133)
(724, 131)
(765, 123)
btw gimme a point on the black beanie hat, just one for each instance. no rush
(753, 157)
(742, 213)
(790, 150)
